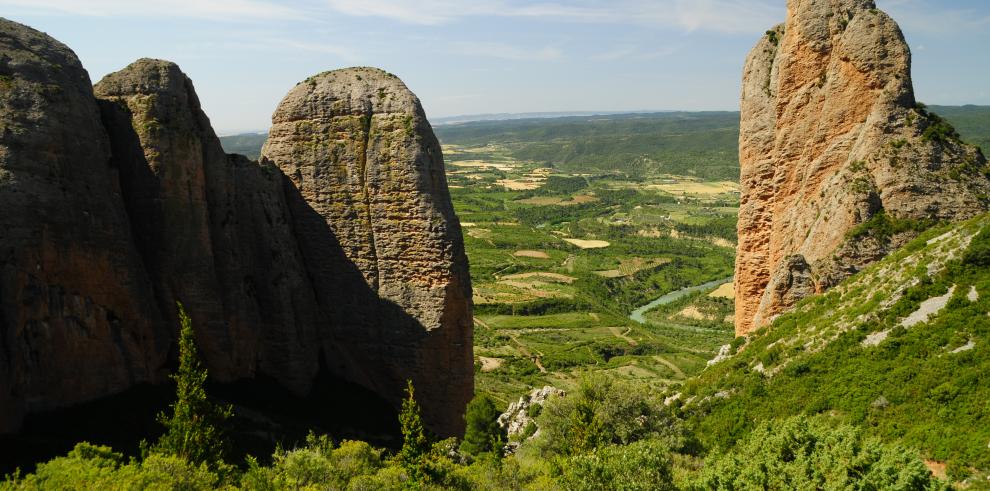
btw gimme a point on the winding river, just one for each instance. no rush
(637, 315)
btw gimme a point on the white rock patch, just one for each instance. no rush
(966, 347)
(875, 338)
(973, 295)
(723, 354)
(928, 308)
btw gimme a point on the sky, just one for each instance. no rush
(485, 56)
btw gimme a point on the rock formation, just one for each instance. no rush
(839, 164)
(214, 229)
(120, 204)
(76, 316)
(376, 226)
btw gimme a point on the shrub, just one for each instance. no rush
(602, 412)
(814, 453)
(643, 465)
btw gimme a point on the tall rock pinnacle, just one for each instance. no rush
(839, 164)
(375, 224)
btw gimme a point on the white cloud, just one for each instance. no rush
(507, 52)
(730, 16)
(218, 10)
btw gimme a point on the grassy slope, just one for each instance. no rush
(911, 387)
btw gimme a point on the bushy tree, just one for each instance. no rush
(192, 431)
(483, 433)
(604, 411)
(814, 453)
(316, 465)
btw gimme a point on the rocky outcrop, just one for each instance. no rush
(376, 227)
(839, 164)
(214, 229)
(521, 415)
(121, 203)
(76, 316)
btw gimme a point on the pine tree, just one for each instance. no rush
(415, 445)
(192, 429)
(483, 433)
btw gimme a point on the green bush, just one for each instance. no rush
(601, 412)
(643, 465)
(814, 453)
(92, 467)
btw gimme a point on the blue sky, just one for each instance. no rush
(485, 56)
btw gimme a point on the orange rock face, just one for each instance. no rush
(839, 164)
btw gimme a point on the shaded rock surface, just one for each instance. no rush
(214, 229)
(839, 164)
(121, 203)
(76, 316)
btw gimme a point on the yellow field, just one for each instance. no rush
(483, 164)
(532, 254)
(689, 187)
(628, 267)
(527, 184)
(588, 244)
(724, 291)
(542, 275)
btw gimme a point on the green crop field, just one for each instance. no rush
(560, 259)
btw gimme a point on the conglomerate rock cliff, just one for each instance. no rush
(119, 204)
(376, 227)
(77, 319)
(839, 164)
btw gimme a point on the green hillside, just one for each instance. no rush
(972, 123)
(247, 144)
(863, 354)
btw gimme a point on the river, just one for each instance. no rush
(637, 315)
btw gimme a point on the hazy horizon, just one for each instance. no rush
(485, 56)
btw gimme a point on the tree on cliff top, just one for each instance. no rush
(191, 431)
